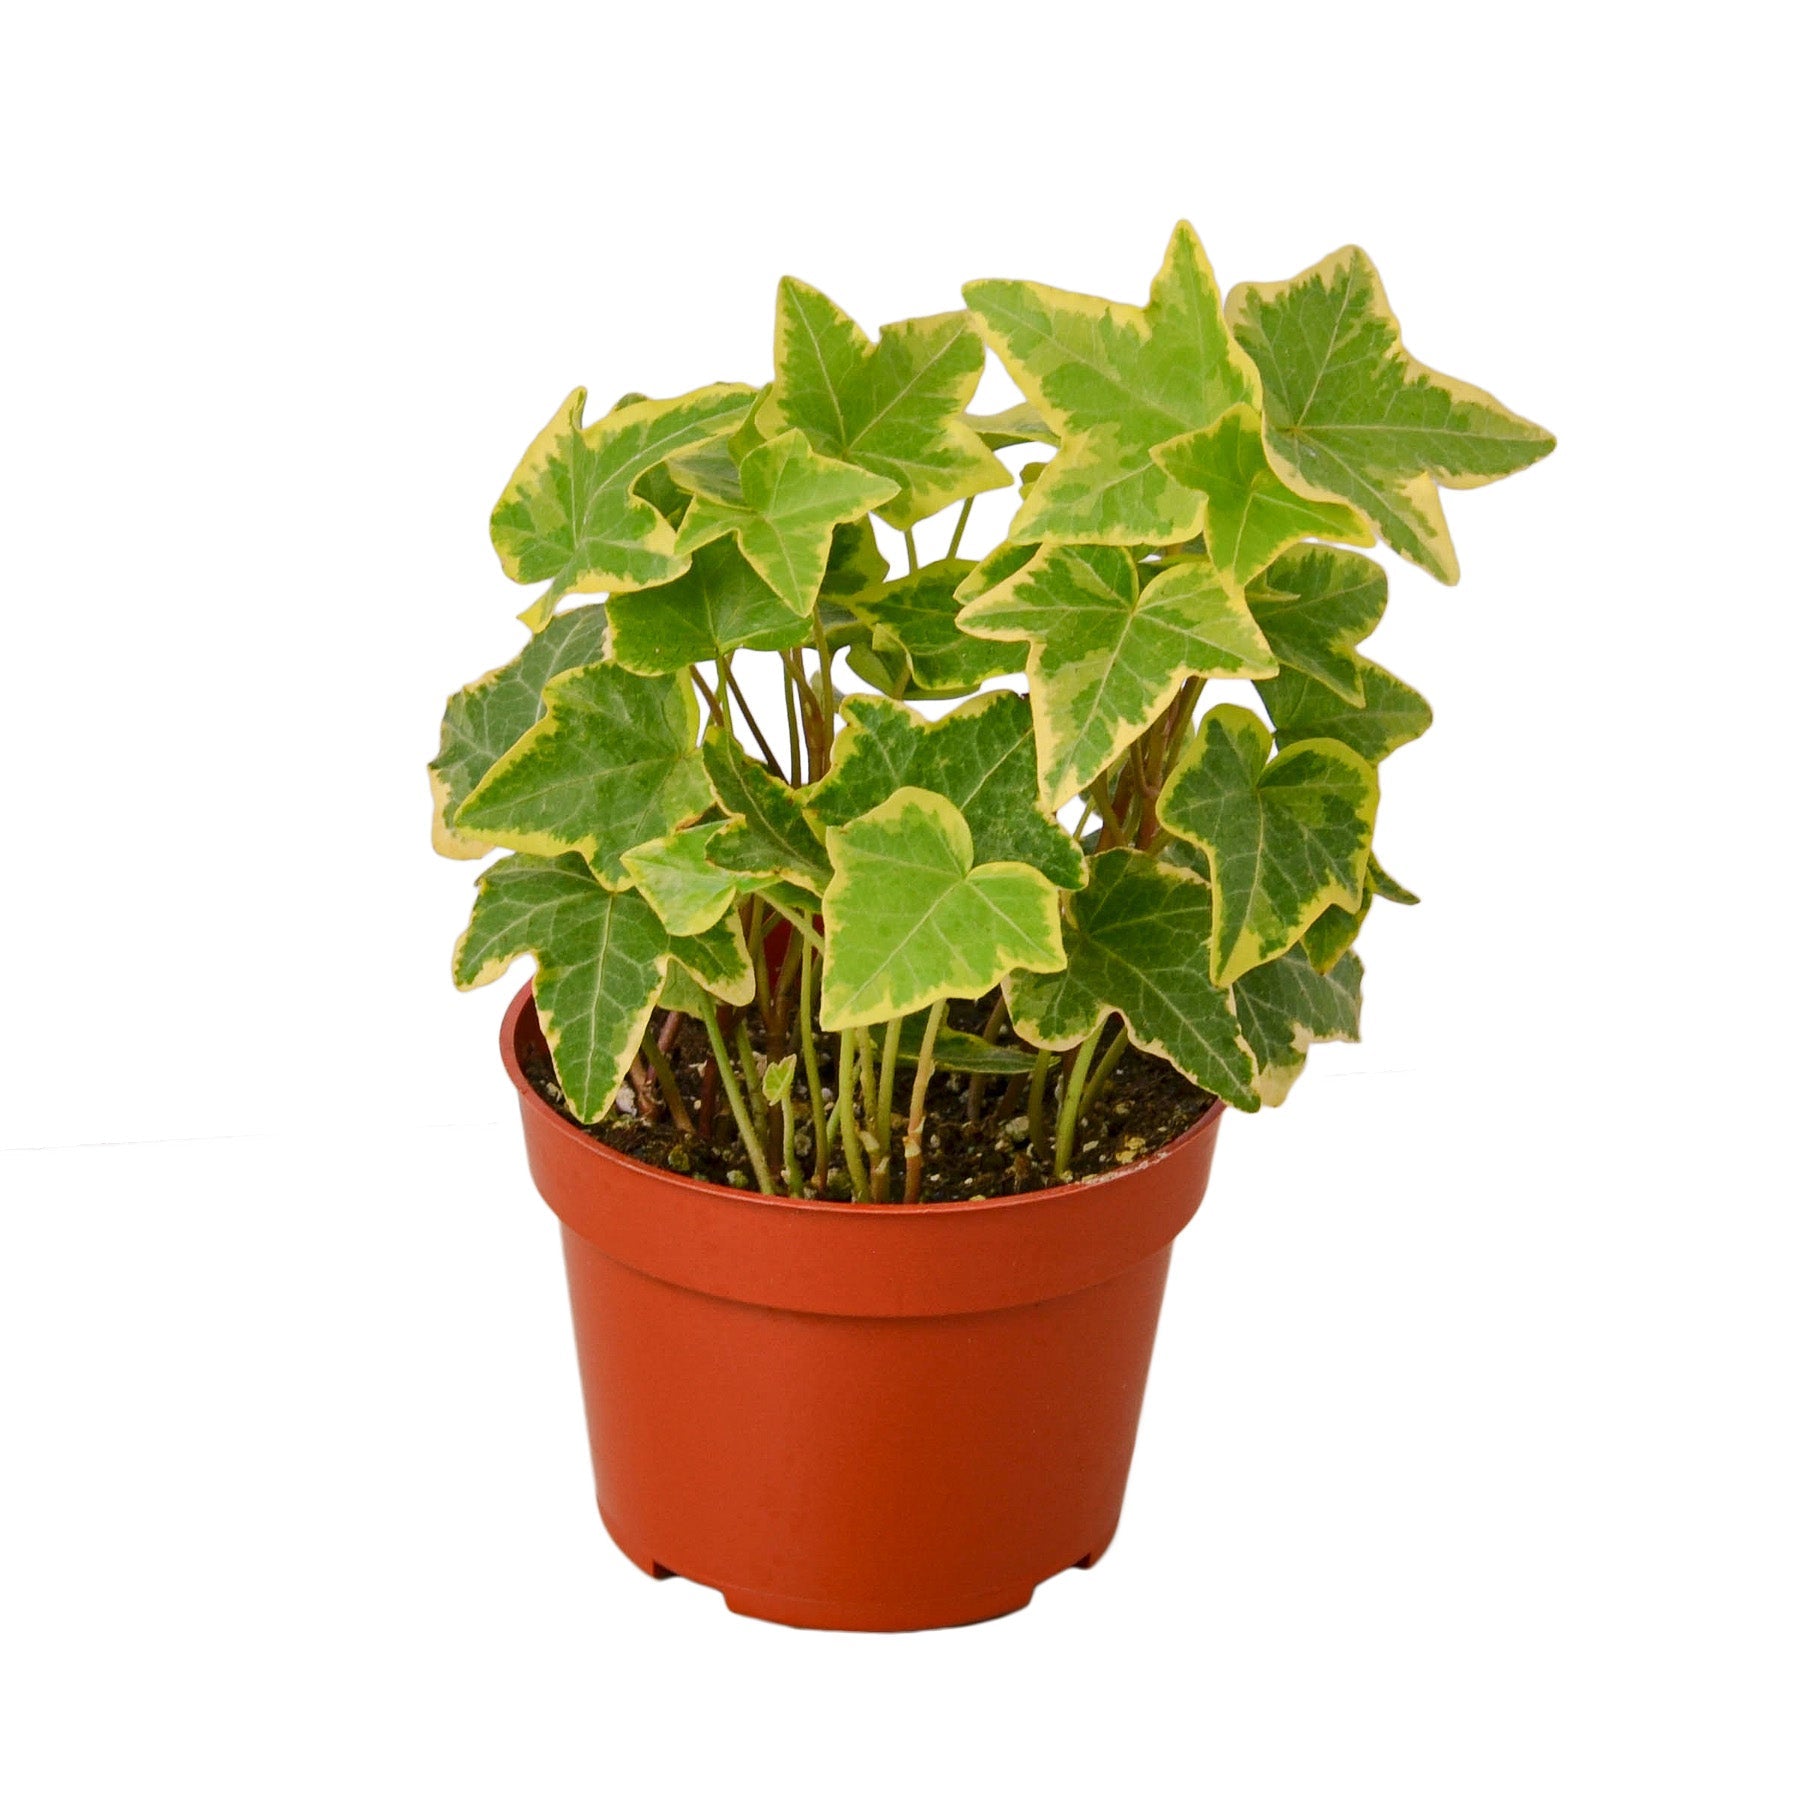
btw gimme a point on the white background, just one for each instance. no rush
(1469, 1462)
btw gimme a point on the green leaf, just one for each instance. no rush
(570, 515)
(982, 758)
(1284, 839)
(916, 618)
(855, 562)
(489, 716)
(893, 408)
(1349, 415)
(1391, 714)
(963, 1052)
(1136, 942)
(791, 502)
(768, 833)
(778, 1080)
(600, 962)
(1286, 1006)
(1021, 424)
(1315, 606)
(1333, 932)
(1250, 514)
(721, 604)
(1004, 559)
(1106, 658)
(612, 763)
(688, 892)
(910, 919)
(1113, 382)
(1382, 883)
(718, 959)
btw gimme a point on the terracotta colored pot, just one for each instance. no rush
(874, 1418)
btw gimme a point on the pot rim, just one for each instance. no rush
(513, 1021)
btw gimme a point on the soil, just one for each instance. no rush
(1145, 1105)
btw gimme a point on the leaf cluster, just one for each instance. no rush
(1102, 858)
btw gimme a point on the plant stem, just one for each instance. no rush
(809, 1057)
(759, 1107)
(1074, 1086)
(846, 1104)
(865, 1065)
(790, 1166)
(1034, 1106)
(990, 1033)
(762, 743)
(962, 519)
(827, 700)
(915, 1118)
(912, 552)
(712, 699)
(1110, 833)
(709, 1017)
(784, 997)
(658, 1060)
(1103, 1073)
(645, 1088)
(884, 1108)
(793, 724)
(759, 964)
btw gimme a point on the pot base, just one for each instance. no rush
(837, 1615)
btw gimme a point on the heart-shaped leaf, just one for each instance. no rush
(1284, 838)
(911, 919)
(1287, 1005)
(1348, 414)
(915, 619)
(1106, 656)
(768, 833)
(1315, 606)
(1391, 713)
(721, 604)
(1136, 942)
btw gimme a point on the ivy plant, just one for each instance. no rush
(1101, 860)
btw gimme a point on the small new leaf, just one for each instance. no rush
(489, 716)
(1349, 415)
(1250, 515)
(688, 892)
(612, 763)
(1284, 839)
(721, 604)
(894, 408)
(913, 621)
(1113, 382)
(1136, 943)
(911, 919)
(570, 515)
(768, 833)
(982, 758)
(790, 502)
(1107, 657)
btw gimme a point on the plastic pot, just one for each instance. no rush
(870, 1418)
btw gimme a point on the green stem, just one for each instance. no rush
(709, 1017)
(759, 1107)
(1103, 1073)
(759, 963)
(790, 1165)
(712, 699)
(762, 743)
(962, 519)
(915, 1118)
(846, 1105)
(827, 698)
(809, 1057)
(990, 1034)
(1034, 1106)
(665, 1079)
(1073, 1089)
(884, 1108)
(865, 1066)
(912, 552)
(793, 723)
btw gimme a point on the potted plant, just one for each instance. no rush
(873, 1060)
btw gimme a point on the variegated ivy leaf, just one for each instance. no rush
(1136, 942)
(1113, 382)
(963, 1052)
(613, 762)
(1021, 424)
(718, 959)
(789, 502)
(1107, 657)
(915, 618)
(1286, 1006)
(1315, 605)
(601, 958)
(982, 758)
(489, 716)
(1391, 713)
(570, 515)
(1004, 559)
(768, 833)
(1250, 514)
(1284, 839)
(1336, 928)
(894, 408)
(855, 562)
(721, 604)
(1349, 415)
(911, 919)
(688, 892)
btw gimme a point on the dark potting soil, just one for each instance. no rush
(1145, 1105)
